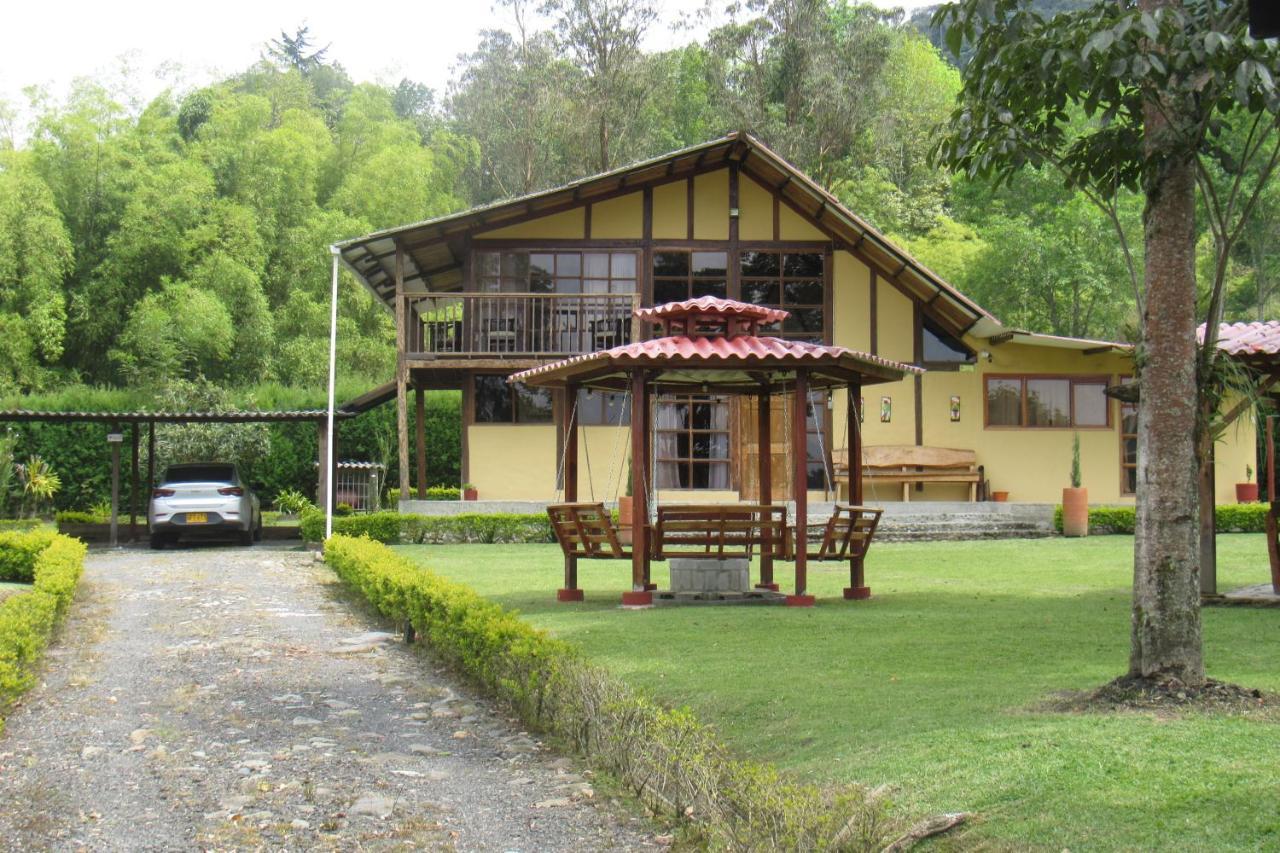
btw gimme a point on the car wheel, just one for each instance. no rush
(246, 537)
(157, 541)
(257, 531)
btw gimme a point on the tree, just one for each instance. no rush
(296, 51)
(1152, 79)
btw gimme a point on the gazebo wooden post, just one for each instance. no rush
(800, 486)
(420, 439)
(133, 483)
(857, 588)
(764, 446)
(639, 596)
(566, 414)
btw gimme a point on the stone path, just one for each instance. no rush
(231, 698)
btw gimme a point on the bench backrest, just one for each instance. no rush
(727, 531)
(909, 456)
(585, 530)
(848, 533)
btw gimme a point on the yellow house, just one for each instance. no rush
(485, 293)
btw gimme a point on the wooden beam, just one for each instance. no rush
(420, 410)
(764, 479)
(639, 494)
(133, 484)
(1098, 350)
(857, 572)
(734, 283)
(402, 375)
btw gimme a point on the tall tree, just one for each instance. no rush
(297, 51)
(1153, 78)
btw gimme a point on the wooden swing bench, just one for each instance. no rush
(718, 531)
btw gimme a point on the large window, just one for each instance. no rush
(1128, 445)
(556, 272)
(792, 282)
(500, 402)
(1047, 402)
(678, 276)
(692, 442)
(941, 349)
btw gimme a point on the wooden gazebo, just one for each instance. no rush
(714, 346)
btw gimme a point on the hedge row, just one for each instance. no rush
(1231, 518)
(394, 527)
(431, 493)
(18, 553)
(673, 762)
(27, 619)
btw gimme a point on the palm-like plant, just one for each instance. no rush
(39, 482)
(7, 471)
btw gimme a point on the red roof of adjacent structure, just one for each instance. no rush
(712, 305)
(1247, 339)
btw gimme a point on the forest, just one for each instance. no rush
(178, 250)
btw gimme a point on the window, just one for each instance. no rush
(556, 272)
(678, 276)
(1047, 402)
(603, 408)
(500, 402)
(692, 443)
(941, 348)
(1128, 445)
(792, 282)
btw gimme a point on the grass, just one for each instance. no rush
(936, 685)
(8, 589)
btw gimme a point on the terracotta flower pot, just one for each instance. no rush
(1000, 497)
(624, 511)
(469, 494)
(1075, 512)
(1246, 493)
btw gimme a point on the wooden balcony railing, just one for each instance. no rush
(517, 324)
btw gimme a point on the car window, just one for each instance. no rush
(200, 474)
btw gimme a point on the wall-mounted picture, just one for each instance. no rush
(955, 408)
(886, 409)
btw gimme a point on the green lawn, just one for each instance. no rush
(933, 684)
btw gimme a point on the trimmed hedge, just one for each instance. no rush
(394, 527)
(431, 493)
(27, 619)
(18, 553)
(20, 525)
(674, 763)
(1231, 518)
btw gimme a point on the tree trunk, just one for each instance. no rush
(1166, 637)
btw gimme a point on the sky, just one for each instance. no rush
(159, 43)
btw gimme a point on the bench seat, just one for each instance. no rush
(908, 464)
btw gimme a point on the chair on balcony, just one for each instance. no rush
(443, 335)
(500, 334)
(609, 332)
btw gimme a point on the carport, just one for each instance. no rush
(137, 419)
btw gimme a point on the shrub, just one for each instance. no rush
(27, 619)
(75, 516)
(392, 527)
(292, 501)
(432, 493)
(1231, 518)
(672, 761)
(18, 553)
(20, 525)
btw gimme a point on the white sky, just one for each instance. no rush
(182, 44)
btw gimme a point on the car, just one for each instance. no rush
(208, 498)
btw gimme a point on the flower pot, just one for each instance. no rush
(624, 511)
(1000, 497)
(1246, 493)
(1075, 512)
(469, 494)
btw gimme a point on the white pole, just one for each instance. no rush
(333, 371)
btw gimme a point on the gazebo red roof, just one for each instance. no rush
(714, 307)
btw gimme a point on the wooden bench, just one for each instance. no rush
(848, 533)
(908, 464)
(586, 530)
(721, 531)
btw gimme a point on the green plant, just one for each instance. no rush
(1075, 461)
(1229, 518)
(7, 471)
(75, 516)
(292, 501)
(392, 527)
(39, 483)
(672, 761)
(343, 509)
(1248, 473)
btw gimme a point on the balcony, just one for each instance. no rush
(516, 325)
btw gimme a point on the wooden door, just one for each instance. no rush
(748, 449)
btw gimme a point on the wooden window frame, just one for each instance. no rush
(1125, 466)
(690, 278)
(581, 250)
(688, 462)
(1073, 380)
(781, 279)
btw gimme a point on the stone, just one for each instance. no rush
(374, 805)
(698, 574)
(90, 752)
(137, 737)
(299, 823)
(554, 803)
(367, 638)
(305, 721)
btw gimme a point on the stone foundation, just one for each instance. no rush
(700, 575)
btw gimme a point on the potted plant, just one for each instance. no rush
(1075, 500)
(1247, 492)
(999, 496)
(469, 492)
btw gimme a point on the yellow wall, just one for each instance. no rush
(755, 219)
(618, 218)
(711, 206)
(566, 225)
(671, 211)
(512, 462)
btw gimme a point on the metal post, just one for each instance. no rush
(333, 375)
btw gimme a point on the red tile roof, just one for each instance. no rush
(712, 305)
(1247, 339)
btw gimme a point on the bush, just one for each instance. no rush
(18, 553)
(1231, 518)
(20, 525)
(432, 493)
(27, 619)
(75, 516)
(673, 762)
(393, 527)
(292, 501)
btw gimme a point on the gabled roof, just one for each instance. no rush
(434, 249)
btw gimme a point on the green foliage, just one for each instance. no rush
(1075, 461)
(240, 444)
(393, 527)
(672, 761)
(18, 553)
(292, 501)
(38, 482)
(78, 516)
(431, 493)
(1230, 518)
(27, 619)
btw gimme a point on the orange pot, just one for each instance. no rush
(1246, 493)
(999, 497)
(1075, 512)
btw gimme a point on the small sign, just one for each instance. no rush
(115, 437)
(955, 408)
(886, 409)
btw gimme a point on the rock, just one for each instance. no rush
(288, 699)
(348, 712)
(367, 638)
(555, 803)
(306, 721)
(424, 749)
(336, 704)
(256, 766)
(137, 737)
(460, 735)
(375, 805)
(299, 823)
(234, 803)
(91, 752)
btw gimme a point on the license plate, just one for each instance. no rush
(197, 518)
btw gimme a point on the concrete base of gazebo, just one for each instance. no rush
(1258, 595)
(664, 598)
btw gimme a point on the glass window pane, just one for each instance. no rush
(671, 263)
(542, 263)
(760, 292)
(568, 285)
(623, 285)
(489, 263)
(803, 292)
(708, 287)
(803, 320)
(596, 265)
(760, 263)
(595, 285)
(569, 264)
(1048, 402)
(490, 285)
(1004, 402)
(540, 281)
(710, 263)
(702, 415)
(1129, 420)
(493, 400)
(533, 405)
(1131, 480)
(940, 346)
(683, 445)
(1090, 404)
(623, 264)
(669, 291)
(1131, 451)
(515, 265)
(807, 265)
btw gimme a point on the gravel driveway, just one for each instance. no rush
(223, 698)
